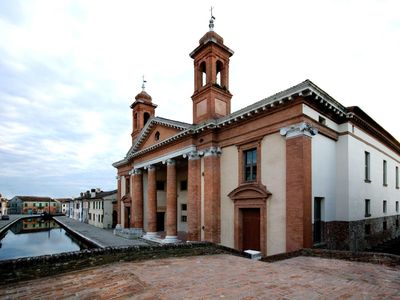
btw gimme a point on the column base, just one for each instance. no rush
(170, 239)
(129, 233)
(152, 236)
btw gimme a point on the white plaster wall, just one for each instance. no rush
(229, 181)
(181, 175)
(359, 190)
(123, 187)
(161, 175)
(273, 175)
(342, 179)
(315, 116)
(324, 175)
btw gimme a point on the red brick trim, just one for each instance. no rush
(298, 193)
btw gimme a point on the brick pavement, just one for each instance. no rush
(218, 276)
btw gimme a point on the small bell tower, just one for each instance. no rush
(211, 97)
(142, 110)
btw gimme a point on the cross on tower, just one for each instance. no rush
(143, 83)
(211, 25)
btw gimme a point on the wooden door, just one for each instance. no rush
(251, 228)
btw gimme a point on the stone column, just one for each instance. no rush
(194, 197)
(212, 195)
(172, 233)
(137, 200)
(298, 186)
(119, 200)
(151, 202)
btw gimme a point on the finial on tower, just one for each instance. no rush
(211, 25)
(143, 83)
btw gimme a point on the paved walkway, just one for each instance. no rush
(101, 237)
(218, 277)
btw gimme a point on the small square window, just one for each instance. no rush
(322, 120)
(183, 207)
(184, 185)
(160, 185)
(183, 218)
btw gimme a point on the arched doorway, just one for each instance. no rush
(250, 217)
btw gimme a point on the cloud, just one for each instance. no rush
(70, 69)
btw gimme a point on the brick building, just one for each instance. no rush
(293, 170)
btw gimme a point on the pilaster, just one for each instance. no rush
(194, 194)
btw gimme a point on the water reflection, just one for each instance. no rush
(34, 237)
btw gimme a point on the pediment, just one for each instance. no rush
(165, 127)
(249, 191)
(157, 134)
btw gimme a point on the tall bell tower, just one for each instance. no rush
(211, 97)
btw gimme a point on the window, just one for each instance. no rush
(34, 204)
(385, 173)
(367, 207)
(367, 167)
(26, 204)
(102, 218)
(127, 185)
(384, 206)
(384, 225)
(250, 165)
(397, 177)
(183, 206)
(160, 185)
(397, 223)
(184, 185)
(102, 205)
(157, 136)
(397, 206)
(183, 218)
(322, 120)
(367, 229)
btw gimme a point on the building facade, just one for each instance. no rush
(33, 205)
(3, 206)
(294, 170)
(64, 204)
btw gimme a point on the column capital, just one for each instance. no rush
(136, 171)
(212, 151)
(118, 177)
(296, 130)
(150, 167)
(170, 162)
(193, 155)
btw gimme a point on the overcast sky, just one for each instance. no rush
(70, 69)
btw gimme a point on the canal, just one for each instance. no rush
(36, 236)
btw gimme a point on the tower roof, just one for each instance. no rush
(143, 96)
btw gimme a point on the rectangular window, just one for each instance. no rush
(367, 167)
(397, 223)
(384, 225)
(397, 177)
(250, 165)
(367, 229)
(384, 206)
(183, 207)
(183, 218)
(160, 185)
(102, 205)
(385, 173)
(367, 207)
(184, 185)
(397, 206)
(322, 120)
(102, 218)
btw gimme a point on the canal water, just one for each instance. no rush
(36, 236)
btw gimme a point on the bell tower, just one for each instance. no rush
(211, 97)
(142, 110)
